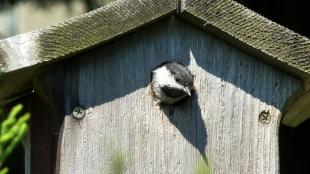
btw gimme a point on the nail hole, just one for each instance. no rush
(265, 117)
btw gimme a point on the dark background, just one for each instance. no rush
(293, 14)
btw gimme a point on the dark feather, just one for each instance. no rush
(172, 92)
(180, 73)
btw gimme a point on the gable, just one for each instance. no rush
(167, 39)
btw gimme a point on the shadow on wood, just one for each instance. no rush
(190, 123)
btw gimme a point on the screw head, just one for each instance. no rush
(265, 117)
(78, 112)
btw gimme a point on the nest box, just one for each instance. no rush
(86, 82)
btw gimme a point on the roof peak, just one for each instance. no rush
(225, 18)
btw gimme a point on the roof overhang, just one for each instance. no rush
(23, 57)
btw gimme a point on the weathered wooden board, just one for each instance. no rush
(221, 120)
(25, 55)
(252, 32)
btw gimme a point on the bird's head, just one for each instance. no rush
(171, 82)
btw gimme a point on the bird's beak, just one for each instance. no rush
(187, 91)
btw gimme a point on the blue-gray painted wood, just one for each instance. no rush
(220, 121)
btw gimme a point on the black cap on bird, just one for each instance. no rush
(171, 82)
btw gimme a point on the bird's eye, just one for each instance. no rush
(177, 79)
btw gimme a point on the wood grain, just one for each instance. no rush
(219, 122)
(259, 36)
(251, 31)
(298, 111)
(34, 50)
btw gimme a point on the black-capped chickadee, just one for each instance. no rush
(171, 82)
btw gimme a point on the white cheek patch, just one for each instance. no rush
(164, 78)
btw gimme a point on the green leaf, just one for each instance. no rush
(118, 163)
(4, 171)
(203, 168)
(11, 118)
(12, 132)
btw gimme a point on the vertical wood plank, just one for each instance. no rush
(44, 135)
(27, 148)
(219, 122)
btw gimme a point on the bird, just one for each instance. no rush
(171, 82)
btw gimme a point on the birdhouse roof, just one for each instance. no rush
(23, 57)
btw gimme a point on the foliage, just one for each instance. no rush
(12, 130)
(203, 168)
(118, 163)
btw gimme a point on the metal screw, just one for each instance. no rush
(265, 117)
(78, 112)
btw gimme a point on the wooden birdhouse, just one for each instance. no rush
(87, 84)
